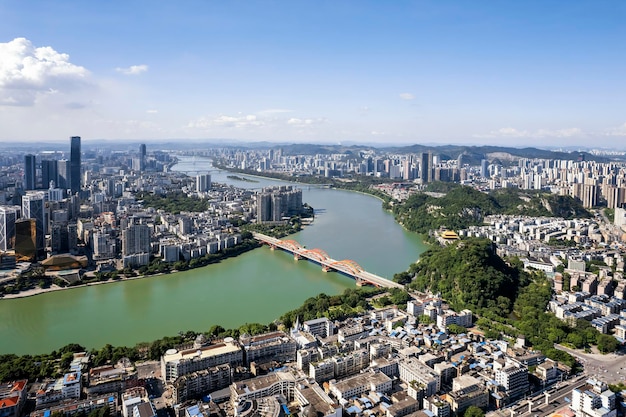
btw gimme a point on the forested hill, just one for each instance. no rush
(463, 206)
(469, 274)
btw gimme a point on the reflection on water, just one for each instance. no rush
(257, 286)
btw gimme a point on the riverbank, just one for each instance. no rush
(248, 245)
(37, 291)
(245, 246)
(259, 286)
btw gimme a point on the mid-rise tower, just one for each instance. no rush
(74, 164)
(30, 172)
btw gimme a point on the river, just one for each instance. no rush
(257, 286)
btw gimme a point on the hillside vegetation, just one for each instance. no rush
(469, 274)
(507, 300)
(464, 206)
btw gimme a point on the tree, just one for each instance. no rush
(473, 411)
(606, 343)
(456, 329)
(216, 330)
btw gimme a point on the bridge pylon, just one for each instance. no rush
(297, 256)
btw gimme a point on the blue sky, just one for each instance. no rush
(513, 73)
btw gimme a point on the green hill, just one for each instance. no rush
(468, 274)
(463, 206)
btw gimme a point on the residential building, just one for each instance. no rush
(175, 364)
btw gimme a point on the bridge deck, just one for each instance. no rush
(347, 267)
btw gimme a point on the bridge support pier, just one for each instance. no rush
(272, 247)
(296, 257)
(325, 269)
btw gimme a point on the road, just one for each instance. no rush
(610, 368)
(557, 395)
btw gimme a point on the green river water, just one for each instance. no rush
(257, 286)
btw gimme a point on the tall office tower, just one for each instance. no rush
(8, 217)
(26, 240)
(203, 183)
(484, 168)
(63, 174)
(30, 172)
(426, 165)
(142, 156)
(33, 204)
(49, 172)
(74, 164)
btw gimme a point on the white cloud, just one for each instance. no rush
(510, 132)
(28, 72)
(616, 131)
(250, 120)
(299, 122)
(270, 112)
(407, 96)
(132, 70)
(152, 111)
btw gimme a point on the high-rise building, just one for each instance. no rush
(8, 217)
(484, 168)
(136, 239)
(49, 172)
(63, 174)
(136, 245)
(25, 240)
(75, 164)
(426, 165)
(33, 204)
(203, 183)
(30, 172)
(274, 203)
(142, 156)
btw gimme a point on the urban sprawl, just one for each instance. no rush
(78, 213)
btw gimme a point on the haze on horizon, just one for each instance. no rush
(513, 74)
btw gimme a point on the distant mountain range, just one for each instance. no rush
(472, 154)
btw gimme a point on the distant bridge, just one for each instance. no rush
(195, 171)
(319, 256)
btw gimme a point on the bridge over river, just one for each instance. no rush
(346, 266)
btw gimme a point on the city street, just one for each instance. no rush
(609, 368)
(556, 400)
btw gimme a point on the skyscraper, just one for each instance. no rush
(426, 165)
(484, 168)
(30, 172)
(33, 208)
(142, 156)
(8, 217)
(63, 174)
(75, 164)
(49, 172)
(25, 240)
